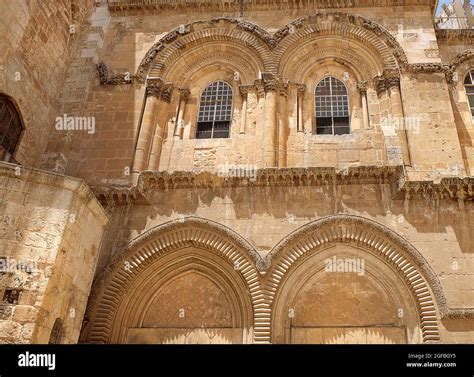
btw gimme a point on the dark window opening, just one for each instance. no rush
(332, 107)
(10, 129)
(215, 112)
(469, 86)
(57, 332)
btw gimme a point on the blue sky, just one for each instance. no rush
(441, 2)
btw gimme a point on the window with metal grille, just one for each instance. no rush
(469, 86)
(332, 107)
(56, 332)
(10, 128)
(215, 111)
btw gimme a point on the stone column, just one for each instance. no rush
(270, 83)
(146, 127)
(162, 118)
(282, 124)
(179, 127)
(301, 89)
(362, 88)
(244, 90)
(396, 109)
(387, 124)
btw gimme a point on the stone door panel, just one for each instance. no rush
(348, 335)
(171, 335)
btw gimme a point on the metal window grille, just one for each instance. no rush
(332, 107)
(469, 86)
(215, 111)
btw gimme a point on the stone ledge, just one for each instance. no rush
(153, 181)
(42, 177)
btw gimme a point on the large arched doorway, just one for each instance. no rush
(346, 279)
(344, 295)
(190, 281)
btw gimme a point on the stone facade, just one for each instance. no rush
(156, 236)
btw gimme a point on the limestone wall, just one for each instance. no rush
(37, 41)
(122, 39)
(441, 230)
(50, 232)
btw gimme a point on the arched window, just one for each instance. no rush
(56, 332)
(469, 85)
(215, 111)
(332, 107)
(10, 128)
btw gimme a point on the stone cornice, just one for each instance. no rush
(112, 79)
(456, 36)
(150, 6)
(152, 181)
(388, 79)
(13, 172)
(447, 188)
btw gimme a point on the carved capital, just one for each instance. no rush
(153, 87)
(184, 94)
(244, 90)
(300, 89)
(259, 87)
(270, 82)
(283, 89)
(166, 93)
(362, 87)
(388, 79)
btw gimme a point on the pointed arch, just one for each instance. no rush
(222, 248)
(380, 241)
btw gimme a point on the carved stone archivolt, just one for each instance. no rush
(373, 237)
(268, 48)
(466, 57)
(264, 277)
(158, 242)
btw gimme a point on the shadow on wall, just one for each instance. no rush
(294, 204)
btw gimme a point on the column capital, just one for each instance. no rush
(184, 93)
(300, 90)
(389, 78)
(245, 89)
(362, 87)
(272, 82)
(166, 92)
(153, 87)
